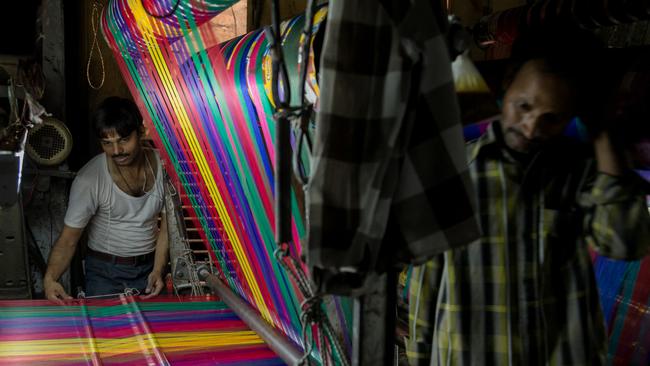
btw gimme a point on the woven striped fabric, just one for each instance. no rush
(128, 331)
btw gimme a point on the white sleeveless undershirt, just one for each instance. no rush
(117, 223)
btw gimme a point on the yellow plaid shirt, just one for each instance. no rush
(525, 293)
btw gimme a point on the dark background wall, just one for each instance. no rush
(82, 99)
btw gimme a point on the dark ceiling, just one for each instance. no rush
(18, 26)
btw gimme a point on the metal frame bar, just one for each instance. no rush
(277, 341)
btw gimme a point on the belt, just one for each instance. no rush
(135, 260)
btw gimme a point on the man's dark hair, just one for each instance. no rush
(119, 114)
(569, 52)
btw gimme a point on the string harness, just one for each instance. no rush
(128, 291)
(288, 163)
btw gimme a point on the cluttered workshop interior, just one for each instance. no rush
(166, 196)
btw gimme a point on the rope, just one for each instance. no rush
(95, 15)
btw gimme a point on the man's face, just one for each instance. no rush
(536, 108)
(124, 150)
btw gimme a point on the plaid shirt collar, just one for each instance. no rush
(491, 143)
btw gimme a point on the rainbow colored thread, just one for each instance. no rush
(209, 105)
(128, 331)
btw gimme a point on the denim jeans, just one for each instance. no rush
(104, 277)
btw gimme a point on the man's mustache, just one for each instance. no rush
(119, 156)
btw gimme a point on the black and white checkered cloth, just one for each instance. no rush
(389, 172)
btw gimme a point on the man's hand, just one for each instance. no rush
(55, 292)
(155, 284)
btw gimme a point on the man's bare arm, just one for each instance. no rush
(156, 282)
(59, 261)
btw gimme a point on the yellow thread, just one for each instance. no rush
(192, 140)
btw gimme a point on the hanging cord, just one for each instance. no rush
(283, 130)
(306, 108)
(95, 19)
(167, 15)
(312, 313)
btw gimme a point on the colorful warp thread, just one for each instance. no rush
(128, 331)
(210, 108)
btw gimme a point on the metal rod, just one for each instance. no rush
(283, 172)
(279, 343)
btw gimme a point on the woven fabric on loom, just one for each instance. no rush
(128, 331)
(209, 106)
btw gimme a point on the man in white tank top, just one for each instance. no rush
(117, 197)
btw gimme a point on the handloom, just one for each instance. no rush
(210, 109)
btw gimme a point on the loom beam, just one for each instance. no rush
(276, 341)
